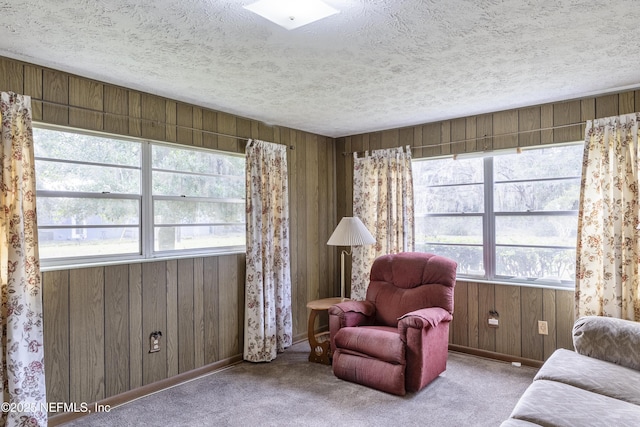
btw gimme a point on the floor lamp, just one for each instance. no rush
(349, 232)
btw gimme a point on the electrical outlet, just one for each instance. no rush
(543, 327)
(154, 342)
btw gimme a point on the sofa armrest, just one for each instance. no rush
(423, 318)
(609, 339)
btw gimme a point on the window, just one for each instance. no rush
(104, 198)
(510, 218)
(198, 199)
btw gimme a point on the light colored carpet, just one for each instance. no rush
(290, 391)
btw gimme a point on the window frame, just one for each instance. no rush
(145, 198)
(489, 215)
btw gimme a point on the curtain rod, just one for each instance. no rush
(346, 153)
(153, 122)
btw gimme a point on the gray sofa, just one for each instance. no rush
(598, 384)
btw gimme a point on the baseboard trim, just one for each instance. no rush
(139, 392)
(497, 356)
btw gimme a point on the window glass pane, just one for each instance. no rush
(83, 242)
(194, 212)
(55, 144)
(196, 161)
(54, 176)
(464, 230)
(195, 237)
(527, 230)
(87, 211)
(447, 171)
(549, 162)
(469, 258)
(217, 187)
(529, 264)
(523, 222)
(454, 199)
(537, 196)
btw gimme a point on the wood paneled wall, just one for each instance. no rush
(98, 320)
(519, 307)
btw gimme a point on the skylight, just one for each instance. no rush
(292, 14)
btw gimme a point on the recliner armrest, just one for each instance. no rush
(353, 313)
(426, 317)
(609, 339)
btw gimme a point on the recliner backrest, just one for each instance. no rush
(408, 281)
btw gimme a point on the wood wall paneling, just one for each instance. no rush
(198, 117)
(528, 121)
(505, 129)
(312, 237)
(55, 298)
(153, 114)
(186, 305)
(33, 88)
(135, 326)
(55, 90)
(211, 303)
(549, 341)
(459, 327)
(484, 132)
(567, 113)
(154, 318)
(11, 76)
(607, 105)
(135, 113)
(86, 332)
(116, 330)
(565, 319)
(86, 95)
(185, 123)
(531, 305)
(431, 136)
(116, 107)
(170, 339)
(210, 125)
(229, 309)
(473, 315)
(227, 125)
(300, 280)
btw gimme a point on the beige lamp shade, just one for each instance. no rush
(351, 232)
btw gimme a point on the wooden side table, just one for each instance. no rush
(320, 344)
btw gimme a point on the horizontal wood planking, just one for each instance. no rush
(155, 299)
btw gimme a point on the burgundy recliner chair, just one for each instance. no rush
(397, 339)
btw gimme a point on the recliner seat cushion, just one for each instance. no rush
(378, 342)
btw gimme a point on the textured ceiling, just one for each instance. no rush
(375, 65)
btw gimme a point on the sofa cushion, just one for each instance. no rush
(379, 342)
(552, 403)
(592, 374)
(512, 422)
(608, 338)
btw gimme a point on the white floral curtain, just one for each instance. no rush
(383, 200)
(608, 251)
(22, 355)
(267, 326)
